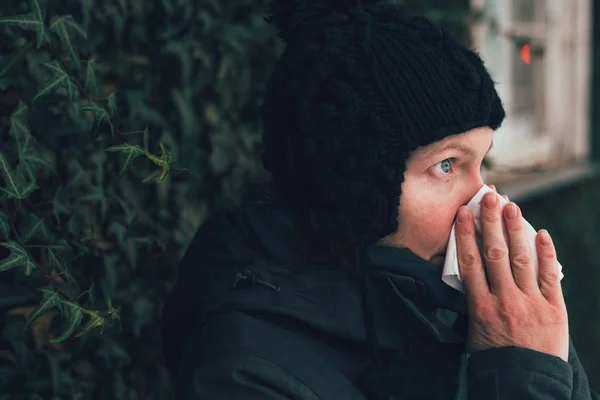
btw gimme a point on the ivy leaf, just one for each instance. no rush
(18, 258)
(112, 104)
(79, 174)
(25, 145)
(26, 171)
(30, 158)
(58, 256)
(96, 320)
(33, 161)
(91, 82)
(36, 229)
(113, 312)
(11, 61)
(4, 226)
(66, 28)
(100, 116)
(18, 186)
(50, 300)
(130, 151)
(33, 21)
(59, 80)
(18, 122)
(164, 161)
(74, 317)
(38, 10)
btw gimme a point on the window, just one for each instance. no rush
(538, 53)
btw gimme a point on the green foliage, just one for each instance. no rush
(66, 28)
(123, 125)
(34, 20)
(101, 115)
(19, 184)
(59, 80)
(19, 258)
(9, 62)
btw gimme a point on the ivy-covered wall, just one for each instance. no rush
(123, 123)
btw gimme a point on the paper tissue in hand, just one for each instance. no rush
(451, 273)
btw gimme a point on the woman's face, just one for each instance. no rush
(439, 178)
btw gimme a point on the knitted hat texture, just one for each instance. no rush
(358, 87)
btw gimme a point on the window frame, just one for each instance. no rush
(566, 34)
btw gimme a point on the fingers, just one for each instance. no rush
(505, 197)
(469, 259)
(548, 268)
(520, 253)
(495, 248)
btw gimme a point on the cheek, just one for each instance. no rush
(426, 229)
(436, 224)
(425, 221)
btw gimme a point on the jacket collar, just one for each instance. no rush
(415, 281)
(418, 279)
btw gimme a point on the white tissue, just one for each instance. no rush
(451, 273)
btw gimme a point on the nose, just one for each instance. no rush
(473, 187)
(479, 183)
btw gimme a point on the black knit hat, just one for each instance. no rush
(359, 86)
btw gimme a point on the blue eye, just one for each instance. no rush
(445, 166)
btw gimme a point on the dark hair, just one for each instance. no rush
(314, 245)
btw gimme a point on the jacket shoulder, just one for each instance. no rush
(240, 356)
(238, 375)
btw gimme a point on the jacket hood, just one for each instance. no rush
(243, 259)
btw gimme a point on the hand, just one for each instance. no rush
(507, 305)
(494, 189)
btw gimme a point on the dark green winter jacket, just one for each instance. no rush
(243, 322)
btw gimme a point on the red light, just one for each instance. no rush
(526, 54)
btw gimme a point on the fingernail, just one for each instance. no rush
(463, 215)
(510, 210)
(492, 187)
(490, 201)
(545, 237)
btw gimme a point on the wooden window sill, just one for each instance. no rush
(536, 184)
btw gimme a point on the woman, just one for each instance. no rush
(375, 127)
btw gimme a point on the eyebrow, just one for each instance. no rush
(456, 146)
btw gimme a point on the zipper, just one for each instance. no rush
(247, 279)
